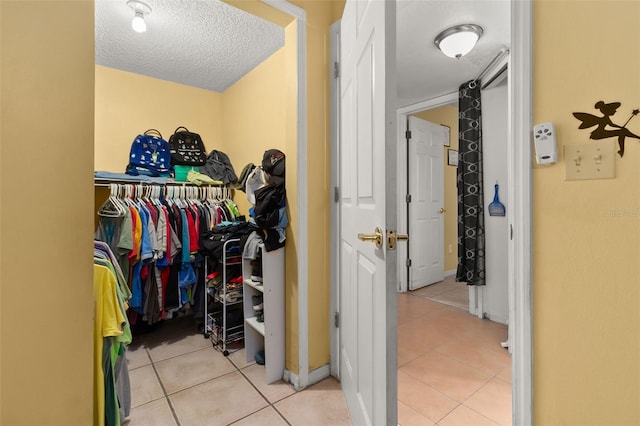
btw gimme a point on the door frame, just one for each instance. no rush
(519, 215)
(334, 199)
(403, 208)
(403, 226)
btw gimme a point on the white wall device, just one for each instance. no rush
(544, 139)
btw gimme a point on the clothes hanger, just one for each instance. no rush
(179, 196)
(128, 195)
(111, 207)
(120, 198)
(157, 196)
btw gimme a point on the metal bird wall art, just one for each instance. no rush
(605, 127)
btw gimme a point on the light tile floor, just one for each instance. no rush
(451, 371)
(447, 291)
(178, 378)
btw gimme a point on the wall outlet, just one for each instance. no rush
(450, 249)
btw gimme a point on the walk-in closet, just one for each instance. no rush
(187, 243)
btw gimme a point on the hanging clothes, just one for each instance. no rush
(156, 230)
(112, 393)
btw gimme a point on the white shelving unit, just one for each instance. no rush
(267, 335)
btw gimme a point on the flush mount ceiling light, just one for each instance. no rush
(455, 42)
(140, 9)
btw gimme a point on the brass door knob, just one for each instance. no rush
(375, 238)
(442, 210)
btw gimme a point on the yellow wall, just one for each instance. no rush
(337, 7)
(128, 104)
(291, 275)
(259, 113)
(318, 21)
(1, 224)
(253, 117)
(46, 212)
(586, 234)
(320, 14)
(448, 115)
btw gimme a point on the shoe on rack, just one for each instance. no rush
(257, 303)
(233, 296)
(260, 316)
(260, 357)
(256, 270)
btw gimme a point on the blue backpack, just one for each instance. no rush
(149, 155)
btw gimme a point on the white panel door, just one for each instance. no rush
(367, 354)
(426, 214)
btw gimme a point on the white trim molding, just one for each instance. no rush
(334, 202)
(520, 251)
(315, 376)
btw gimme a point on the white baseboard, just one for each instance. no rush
(498, 319)
(450, 273)
(315, 376)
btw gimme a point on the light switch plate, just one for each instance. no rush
(593, 160)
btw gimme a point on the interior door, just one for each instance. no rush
(368, 310)
(426, 209)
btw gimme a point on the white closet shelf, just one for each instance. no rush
(267, 336)
(257, 326)
(104, 182)
(251, 283)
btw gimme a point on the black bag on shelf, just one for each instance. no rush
(187, 148)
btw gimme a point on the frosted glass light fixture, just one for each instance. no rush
(455, 42)
(139, 10)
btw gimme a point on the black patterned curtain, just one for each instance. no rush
(471, 255)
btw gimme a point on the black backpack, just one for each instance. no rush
(187, 148)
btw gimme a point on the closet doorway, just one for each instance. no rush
(292, 124)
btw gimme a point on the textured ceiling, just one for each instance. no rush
(209, 44)
(201, 43)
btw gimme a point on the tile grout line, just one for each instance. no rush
(443, 302)
(475, 411)
(448, 412)
(177, 356)
(164, 391)
(270, 404)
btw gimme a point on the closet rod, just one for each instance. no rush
(486, 69)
